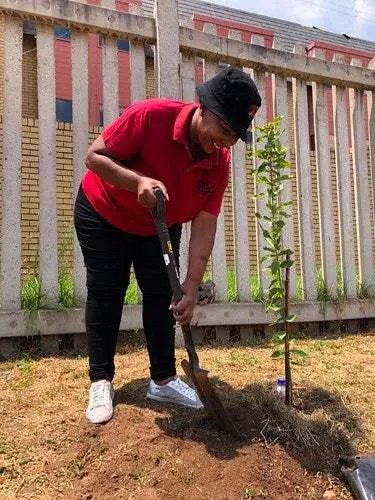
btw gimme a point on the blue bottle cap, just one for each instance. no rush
(281, 381)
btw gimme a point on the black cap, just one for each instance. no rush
(232, 96)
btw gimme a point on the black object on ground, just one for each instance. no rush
(359, 472)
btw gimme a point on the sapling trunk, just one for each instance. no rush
(288, 372)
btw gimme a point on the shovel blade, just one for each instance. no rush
(210, 400)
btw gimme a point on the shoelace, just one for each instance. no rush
(98, 394)
(185, 389)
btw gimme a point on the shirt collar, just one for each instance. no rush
(182, 123)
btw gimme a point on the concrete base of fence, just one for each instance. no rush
(50, 344)
(60, 322)
(11, 347)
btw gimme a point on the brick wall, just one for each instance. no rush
(29, 195)
(64, 193)
(150, 78)
(29, 78)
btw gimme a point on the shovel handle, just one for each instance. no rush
(158, 213)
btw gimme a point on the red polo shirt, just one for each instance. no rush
(152, 137)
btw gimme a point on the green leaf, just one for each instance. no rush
(279, 336)
(266, 234)
(284, 214)
(274, 291)
(269, 239)
(287, 263)
(263, 180)
(259, 196)
(277, 354)
(298, 352)
(275, 266)
(291, 318)
(279, 224)
(286, 204)
(273, 308)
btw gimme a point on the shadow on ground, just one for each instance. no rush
(316, 431)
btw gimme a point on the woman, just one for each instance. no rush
(182, 148)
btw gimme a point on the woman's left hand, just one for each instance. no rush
(183, 311)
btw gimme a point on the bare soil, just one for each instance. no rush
(149, 451)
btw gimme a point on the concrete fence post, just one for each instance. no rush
(168, 48)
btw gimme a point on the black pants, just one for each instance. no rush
(108, 255)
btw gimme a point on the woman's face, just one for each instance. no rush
(213, 133)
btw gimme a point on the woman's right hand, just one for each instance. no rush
(145, 191)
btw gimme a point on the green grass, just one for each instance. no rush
(322, 345)
(31, 293)
(323, 292)
(363, 292)
(231, 287)
(232, 294)
(131, 296)
(340, 282)
(66, 290)
(24, 365)
(299, 288)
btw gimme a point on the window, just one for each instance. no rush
(123, 45)
(29, 28)
(64, 110)
(310, 114)
(62, 33)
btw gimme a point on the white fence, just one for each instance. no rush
(176, 50)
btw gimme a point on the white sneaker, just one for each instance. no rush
(100, 408)
(176, 391)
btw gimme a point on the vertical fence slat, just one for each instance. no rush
(11, 168)
(219, 261)
(187, 78)
(362, 189)
(187, 94)
(303, 171)
(110, 80)
(323, 164)
(241, 230)
(80, 140)
(137, 71)
(371, 129)
(47, 163)
(344, 191)
(137, 87)
(168, 50)
(260, 205)
(280, 106)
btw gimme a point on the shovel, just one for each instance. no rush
(197, 375)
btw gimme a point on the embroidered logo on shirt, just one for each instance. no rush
(203, 186)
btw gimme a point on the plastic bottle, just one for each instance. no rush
(280, 388)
